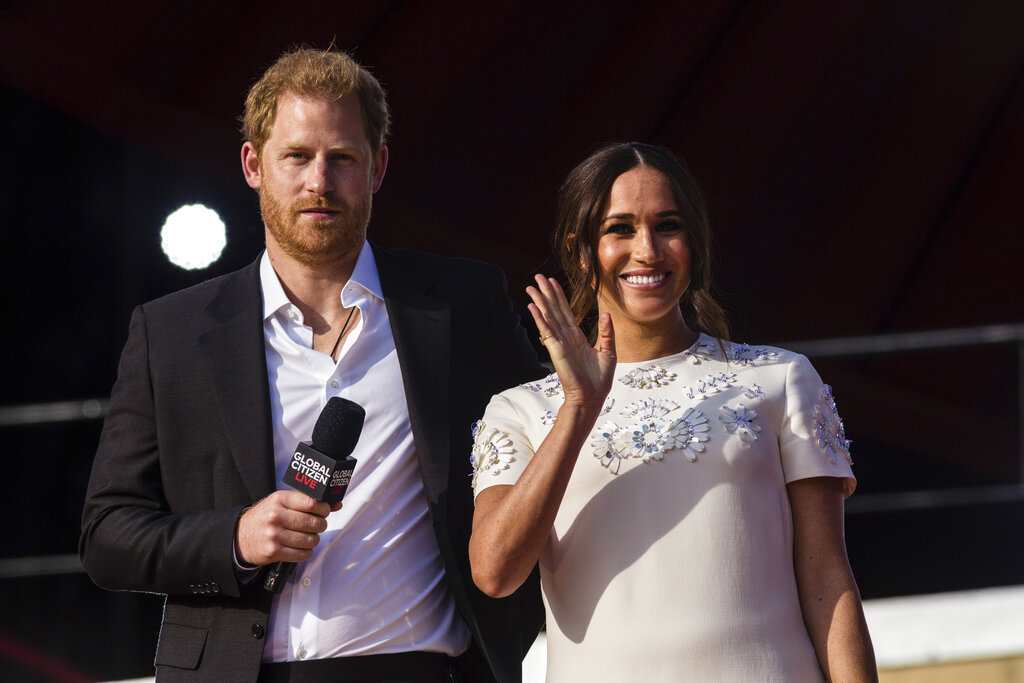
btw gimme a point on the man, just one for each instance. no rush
(218, 383)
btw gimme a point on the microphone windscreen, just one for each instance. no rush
(337, 429)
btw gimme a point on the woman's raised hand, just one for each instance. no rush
(586, 371)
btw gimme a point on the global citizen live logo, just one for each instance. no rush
(318, 475)
(309, 472)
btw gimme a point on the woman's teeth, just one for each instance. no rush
(645, 279)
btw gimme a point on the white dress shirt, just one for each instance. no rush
(375, 583)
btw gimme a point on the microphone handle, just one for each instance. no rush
(277, 576)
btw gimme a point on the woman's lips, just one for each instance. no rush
(645, 279)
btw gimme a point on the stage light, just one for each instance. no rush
(193, 237)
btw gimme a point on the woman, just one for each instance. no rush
(683, 494)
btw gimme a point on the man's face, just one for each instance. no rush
(316, 176)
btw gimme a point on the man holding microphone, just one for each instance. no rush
(218, 383)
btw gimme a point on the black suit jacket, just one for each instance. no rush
(187, 445)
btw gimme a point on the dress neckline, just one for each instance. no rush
(689, 351)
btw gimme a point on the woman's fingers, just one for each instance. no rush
(544, 309)
(559, 306)
(551, 303)
(538, 318)
(540, 309)
(605, 334)
(542, 296)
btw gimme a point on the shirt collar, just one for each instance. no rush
(274, 298)
(364, 275)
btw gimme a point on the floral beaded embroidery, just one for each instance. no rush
(712, 384)
(740, 421)
(655, 434)
(692, 429)
(653, 437)
(737, 354)
(700, 351)
(551, 386)
(492, 450)
(648, 378)
(743, 354)
(603, 441)
(828, 428)
(649, 407)
(753, 391)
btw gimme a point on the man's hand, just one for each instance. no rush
(283, 527)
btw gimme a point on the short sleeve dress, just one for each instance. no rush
(670, 558)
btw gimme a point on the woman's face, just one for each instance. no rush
(643, 254)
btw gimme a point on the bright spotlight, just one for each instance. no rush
(193, 237)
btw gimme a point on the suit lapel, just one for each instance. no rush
(233, 350)
(421, 326)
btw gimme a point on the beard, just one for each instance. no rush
(316, 242)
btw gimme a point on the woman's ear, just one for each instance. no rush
(572, 243)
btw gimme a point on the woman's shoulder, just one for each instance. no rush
(524, 407)
(547, 389)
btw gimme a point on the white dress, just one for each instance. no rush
(670, 558)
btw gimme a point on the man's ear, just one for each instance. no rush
(251, 166)
(380, 166)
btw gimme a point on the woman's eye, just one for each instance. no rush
(619, 229)
(670, 226)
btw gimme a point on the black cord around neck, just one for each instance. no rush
(343, 328)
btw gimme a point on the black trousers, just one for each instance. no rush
(401, 667)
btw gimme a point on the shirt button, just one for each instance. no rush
(306, 581)
(334, 384)
(256, 631)
(301, 654)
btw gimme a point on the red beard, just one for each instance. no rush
(315, 242)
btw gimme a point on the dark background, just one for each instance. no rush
(862, 161)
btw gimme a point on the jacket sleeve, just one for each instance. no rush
(133, 537)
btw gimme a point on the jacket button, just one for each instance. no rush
(256, 631)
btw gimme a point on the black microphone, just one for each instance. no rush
(322, 468)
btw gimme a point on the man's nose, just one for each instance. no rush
(318, 177)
